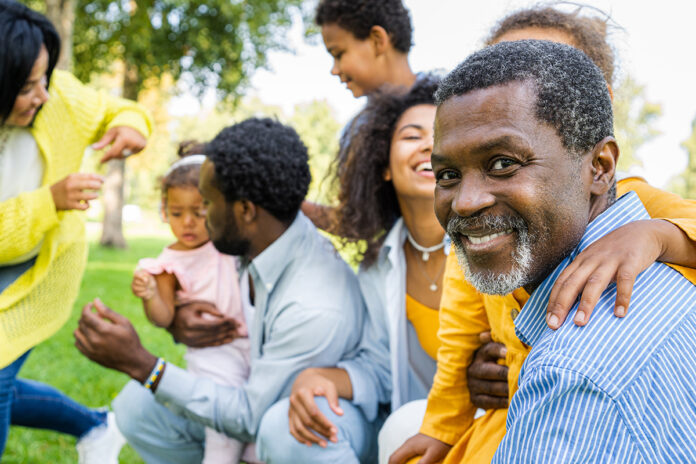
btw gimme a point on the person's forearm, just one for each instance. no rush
(158, 312)
(226, 409)
(677, 247)
(339, 377)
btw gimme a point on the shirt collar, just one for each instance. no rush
(531, 322)
(269, 265)
(393, 243)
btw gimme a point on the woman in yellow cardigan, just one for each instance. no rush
(44, 131)
(449, 430)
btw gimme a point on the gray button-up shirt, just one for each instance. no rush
(309, 312)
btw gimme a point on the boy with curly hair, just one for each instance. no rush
(369, 41)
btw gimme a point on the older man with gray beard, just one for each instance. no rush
(524, 159)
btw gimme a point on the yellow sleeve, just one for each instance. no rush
(462, 318)
(95, 112)
(667, 206)
(24, 220)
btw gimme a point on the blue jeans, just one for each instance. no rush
(157, 433)
(34, 404)
(37, 405)
(357, 438)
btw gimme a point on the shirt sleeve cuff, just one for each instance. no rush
(175, 385)
(363, 395)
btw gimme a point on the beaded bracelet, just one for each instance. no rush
(155, 374)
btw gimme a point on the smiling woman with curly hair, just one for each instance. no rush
(386, 199)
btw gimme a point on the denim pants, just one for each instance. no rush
(162, 435)
(357, 438)
(34, 404)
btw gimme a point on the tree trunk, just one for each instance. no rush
(62, 15)
(112, 199)
(112, 227)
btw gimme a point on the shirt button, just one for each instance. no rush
(269, 287)
(514, 313)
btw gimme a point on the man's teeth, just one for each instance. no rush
(487, 238)
(424, 166)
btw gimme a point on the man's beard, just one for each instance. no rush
(230, 242)
(487, 281)
(232, 247)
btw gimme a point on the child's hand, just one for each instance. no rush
(144, 285)
(617, 257)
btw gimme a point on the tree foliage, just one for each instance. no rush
(634, 120)
(219, 43)
(685, 184)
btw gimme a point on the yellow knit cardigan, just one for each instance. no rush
(38, 303)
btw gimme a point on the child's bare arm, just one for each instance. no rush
(157, 293)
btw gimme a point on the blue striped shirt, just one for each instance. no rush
(617, 390)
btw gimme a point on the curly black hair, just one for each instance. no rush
(572, 95)
(588, 33)
(263, 161)
(368, 206)
(22, 32)
(358, 17)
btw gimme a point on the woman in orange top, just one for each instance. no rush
(449, 430)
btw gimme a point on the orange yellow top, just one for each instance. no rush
(426, 322)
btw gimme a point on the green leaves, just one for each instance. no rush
(218, 43)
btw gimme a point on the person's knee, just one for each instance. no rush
(129, 407)
(274, 444)
(355, 443)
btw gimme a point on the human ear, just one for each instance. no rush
(245, 211)
(604, 158)
(380, 40)
(163, 211)
(387, 175)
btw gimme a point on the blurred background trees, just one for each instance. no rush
(152, 44)
(152, 50)
(685, 184)
(635, 118)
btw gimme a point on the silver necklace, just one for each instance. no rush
(433, 283)
(425, 250)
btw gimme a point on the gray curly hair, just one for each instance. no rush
(572, 95)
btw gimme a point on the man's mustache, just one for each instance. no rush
(459, 225)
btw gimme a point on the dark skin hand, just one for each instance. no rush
(199, 324)
(109, 339)
(617, 257)
(486, 379)
(430, 449)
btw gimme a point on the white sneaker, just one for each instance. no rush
(102, 444)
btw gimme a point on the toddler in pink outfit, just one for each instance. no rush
(192, 269)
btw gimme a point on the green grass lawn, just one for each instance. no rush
(58, 363)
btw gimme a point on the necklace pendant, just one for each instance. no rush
(433, 287)
(426, 256)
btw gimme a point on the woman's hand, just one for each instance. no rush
(124, 140)
(430, 449)
(306, 420)
(144, 285)
(617, 257)
(76, 191)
